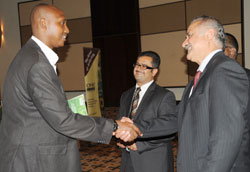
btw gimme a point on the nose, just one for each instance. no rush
(66, 30)
(184, 43)
(139, 66)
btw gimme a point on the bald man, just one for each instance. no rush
(38, 131)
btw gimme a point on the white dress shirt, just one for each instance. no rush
(204, 64)
(49, 53)
(144, 88)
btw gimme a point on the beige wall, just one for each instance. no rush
(70, 65)
(247, 33)
(11, 35)
(163, 25)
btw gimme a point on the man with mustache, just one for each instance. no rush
(38, 130)
(212, 123)
(149, 106)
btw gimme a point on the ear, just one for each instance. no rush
(210, 34)
(154, 72)
(43, 24)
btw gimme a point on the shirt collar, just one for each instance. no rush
(145, 86)
(207, 59)
(49, 53)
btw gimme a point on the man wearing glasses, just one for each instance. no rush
(149, 106)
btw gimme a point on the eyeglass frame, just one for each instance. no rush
(142, 66)
(229, 46)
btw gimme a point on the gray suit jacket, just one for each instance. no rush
(38, 129)
(154, 153)
(212, 123)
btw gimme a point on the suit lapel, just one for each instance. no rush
(44, 59)
(146, 99)
(184, 101)
(34, 45)
(206, 70)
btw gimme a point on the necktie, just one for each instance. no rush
(196, 77)
(135, 102)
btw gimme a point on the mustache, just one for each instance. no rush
(187, 46)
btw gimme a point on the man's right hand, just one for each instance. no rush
(127, 131)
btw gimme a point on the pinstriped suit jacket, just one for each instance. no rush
(212, 122)
(38, 129)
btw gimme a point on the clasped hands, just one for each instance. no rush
(127, 132)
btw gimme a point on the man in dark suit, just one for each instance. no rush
(231, 48)
(155, 105)
(213, 132)
(38, 130)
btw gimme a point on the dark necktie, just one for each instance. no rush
(196, 77)
(135, 102)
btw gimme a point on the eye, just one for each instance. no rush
(63, 22)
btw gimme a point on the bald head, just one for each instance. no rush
(49, 25)
(40, 12)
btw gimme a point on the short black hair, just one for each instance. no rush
(156, 60)
(232, 41)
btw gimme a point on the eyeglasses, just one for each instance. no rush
(142, 66)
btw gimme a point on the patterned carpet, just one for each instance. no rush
(104, 158)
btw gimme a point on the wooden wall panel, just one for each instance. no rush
(227, 11)
(240, 59)
(164, 18)
(25, 32)
(173, 68)
(74, 9)
(80, 30)
(147, 3)
(70, 66)
(162, 24)
(235, 29)
(25, 10)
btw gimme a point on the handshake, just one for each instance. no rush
(126, 131)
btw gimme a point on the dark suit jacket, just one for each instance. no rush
(38, 128)
(248, 107)
(154, 153)
(212, 123)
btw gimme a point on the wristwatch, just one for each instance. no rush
(115, 126)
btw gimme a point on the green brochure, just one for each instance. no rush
(77, 105)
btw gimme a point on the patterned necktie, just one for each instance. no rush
(135, 102)
(196, 77)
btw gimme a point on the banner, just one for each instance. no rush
(93, 81)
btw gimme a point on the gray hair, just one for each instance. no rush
(216, 25)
